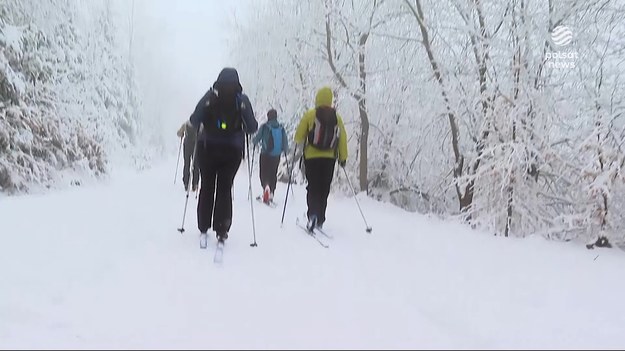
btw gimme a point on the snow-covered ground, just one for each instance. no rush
(104, 267)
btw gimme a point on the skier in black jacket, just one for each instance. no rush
(226, 115)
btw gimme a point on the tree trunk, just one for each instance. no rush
(364, 117)
(364, 130)
(603, 214)
(516, 59)
(465, 199)
(509, 214)
(359, 96)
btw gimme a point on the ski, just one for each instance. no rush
(219, 253)
(313, 235)
(270, 204)
(203, 240)
(320, 231)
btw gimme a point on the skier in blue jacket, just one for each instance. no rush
(274, 142)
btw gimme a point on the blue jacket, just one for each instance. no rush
(263, 136)
(250, 125)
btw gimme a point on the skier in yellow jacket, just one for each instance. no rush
(322, 132)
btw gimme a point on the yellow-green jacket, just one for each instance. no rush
(324, 98)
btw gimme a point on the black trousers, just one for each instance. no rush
(186, 171)
(218, 165)
(269, 171)
(319, 174)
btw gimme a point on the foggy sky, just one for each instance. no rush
(179, 47)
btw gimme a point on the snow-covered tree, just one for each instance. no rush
(472, 108)
(62, 107)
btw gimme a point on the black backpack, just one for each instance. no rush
(221, 120)
(325, 132)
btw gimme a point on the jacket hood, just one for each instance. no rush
(324, 97)
(228, 77)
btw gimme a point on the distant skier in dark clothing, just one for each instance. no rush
(226, 116)
(274, 143)
(190, 138)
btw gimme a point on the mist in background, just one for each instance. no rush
(178, 48)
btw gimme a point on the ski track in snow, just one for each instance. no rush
(105, 267)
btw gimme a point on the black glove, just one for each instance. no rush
(342, 164)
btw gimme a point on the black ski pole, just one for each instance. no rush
(290, 170)
(251, 168)
(178, 162)
(249, 174)
(369, 229)
(253, 153)
(186, 201)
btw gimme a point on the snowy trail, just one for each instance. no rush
(104, 267)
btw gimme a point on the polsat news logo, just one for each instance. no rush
(561, 36)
